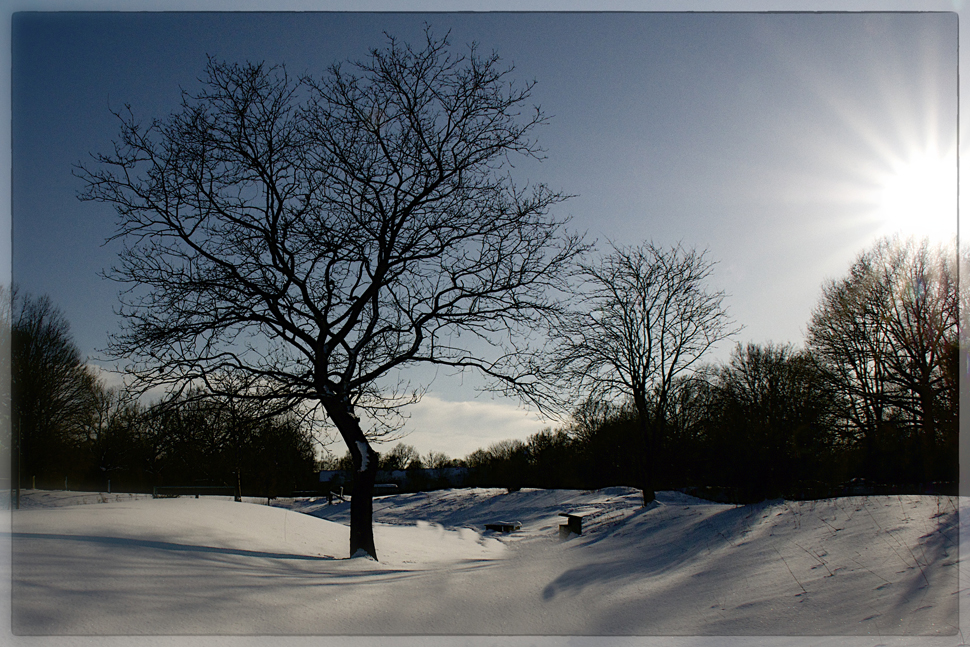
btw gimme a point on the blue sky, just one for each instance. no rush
(781, 142)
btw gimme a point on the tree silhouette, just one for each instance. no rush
(773, 418)
(54, 395)
(646, 317)
(887, 334)
(319, 235)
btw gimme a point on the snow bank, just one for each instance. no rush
(883, 566)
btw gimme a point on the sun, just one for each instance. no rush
(918, 197)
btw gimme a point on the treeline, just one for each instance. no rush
(400, 457)
(873, 395)
(70, 430)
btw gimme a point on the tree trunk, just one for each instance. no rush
(362, 507)
(926, 430)
(365, 459)
(648, 461)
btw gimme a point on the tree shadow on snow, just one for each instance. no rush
(940, 547)
(164, 545)
(635, 551)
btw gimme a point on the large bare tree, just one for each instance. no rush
(321, 234)
(888, 335)
(54, 394)
(646, 316)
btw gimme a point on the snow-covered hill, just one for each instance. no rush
(117, 564)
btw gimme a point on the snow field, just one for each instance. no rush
(876, 566)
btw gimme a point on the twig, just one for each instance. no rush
(790, 571)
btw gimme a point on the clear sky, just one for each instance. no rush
(785, 143)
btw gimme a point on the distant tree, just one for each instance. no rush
(221, 438)
(847, 334)
(319, 235)
(612, 449)
(502, 464)
(887, 335)
(113, 437)
(590, 415)
(279, 459)
(510, 463)
(437, 460)
(344, 463)
(8, 447)
(151, 443)
(192, 441)
(687, 429)
(329, 461)
(401, 457)
(54, 393)
(646, 317)
(242, 422)
(553, 460)
(774, 419)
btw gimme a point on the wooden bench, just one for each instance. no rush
(503, 526)
(573, 525)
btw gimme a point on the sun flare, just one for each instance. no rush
(918, 197)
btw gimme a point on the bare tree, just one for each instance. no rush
(111, 434)
(774, 417)
(54, 395)
(319, 235)
(236, 416)
(437, 461)
(887, 334)
(646, 317)
(401, 457)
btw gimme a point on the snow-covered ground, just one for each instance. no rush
(881, 569)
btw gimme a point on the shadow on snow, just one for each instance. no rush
(164, 545)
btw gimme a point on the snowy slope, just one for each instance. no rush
(876, 566)
(879, 565)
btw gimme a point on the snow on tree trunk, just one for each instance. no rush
(365, 475)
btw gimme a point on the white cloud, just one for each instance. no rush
(459, 428)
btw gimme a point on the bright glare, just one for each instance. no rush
(918, 197)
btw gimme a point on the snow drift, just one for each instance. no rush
(117, 564)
